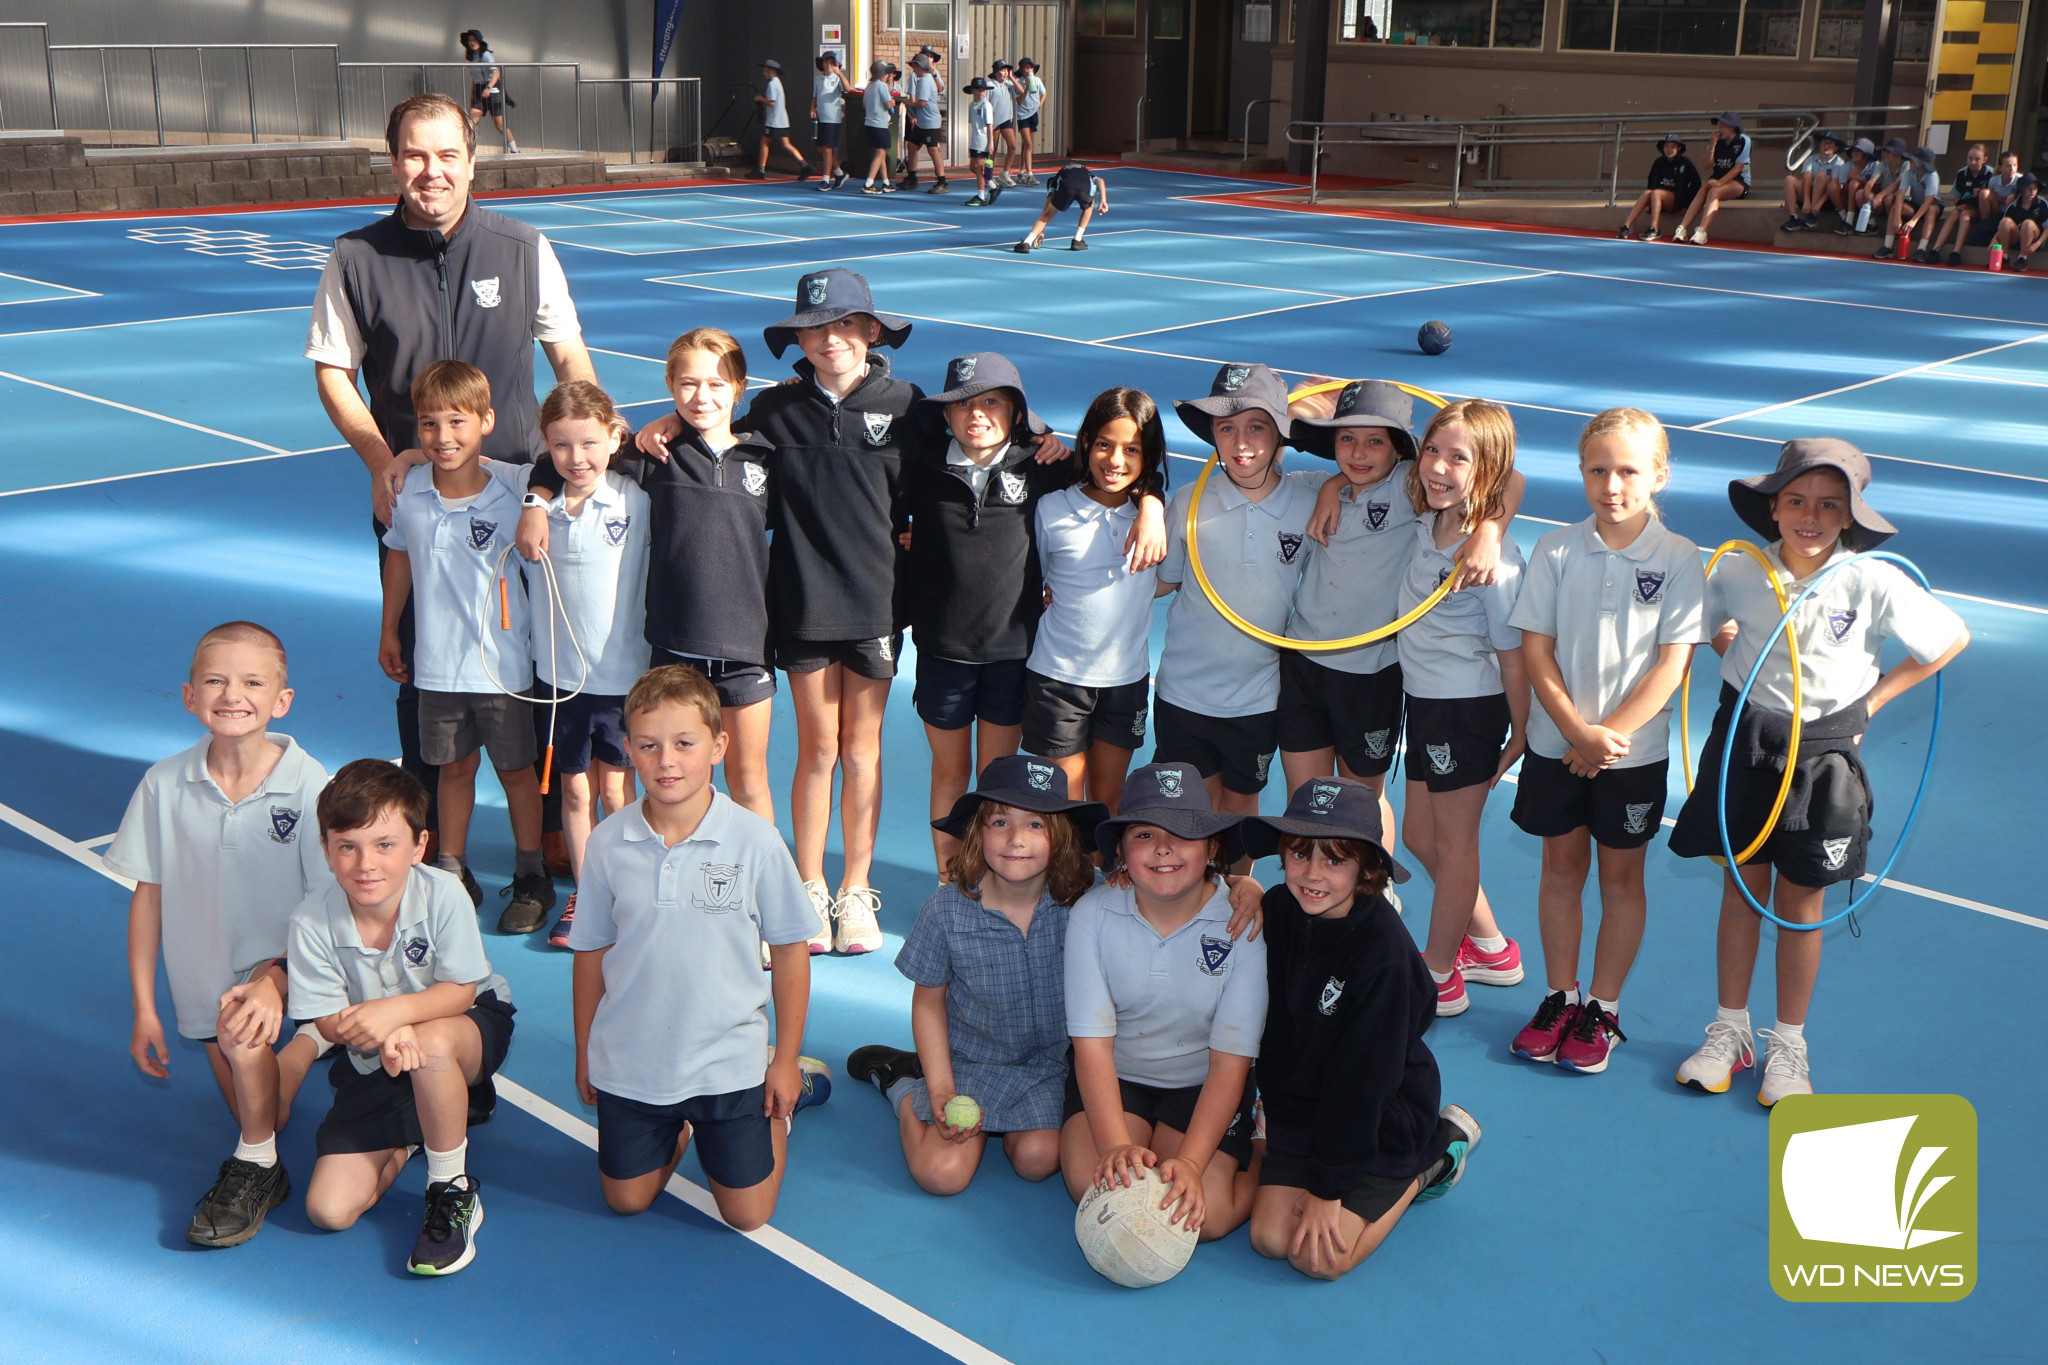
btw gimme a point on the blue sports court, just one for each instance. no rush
(168, 466)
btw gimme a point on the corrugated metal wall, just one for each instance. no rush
(1013, 31)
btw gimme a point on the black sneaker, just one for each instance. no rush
(1623, 232)
(882, 1066)
(471, 885)
(1955, 258)
(805, 173)
(448, 1235)
(1022, 248)
(533, 895)
(232, 1211)
(2018, 263)
(757, 174)
(1078, 244)
(938, 187)
(1793, 224)
(995, 190)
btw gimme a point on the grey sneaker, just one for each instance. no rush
(232, 1211)
(533, 895)
(447, 1239)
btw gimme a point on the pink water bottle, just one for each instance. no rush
(1997, 256)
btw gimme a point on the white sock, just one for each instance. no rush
(1571, 997)
(1739, 1018)
(1498, 943)
(1439, 977)
(1611, 1006)
(1888, 241)
(1795, 1033)
(262, 1153)
(446, 1165)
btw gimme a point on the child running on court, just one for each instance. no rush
(217, 844)
(671, 1009)
(1354, 1134)
(987, 962)
(1465, 690)
(1609, 614)
(1812, 512)
(1073, 184)
(1165, 1010)
(387, 959)
(450, 527)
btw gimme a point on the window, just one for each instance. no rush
(1258, 22)
(925, 16)
(1718, 28)
(1169, 19)
(1104, 18)
(1365, 21)
(1840, 31)
(1770, 28)
(1446, 23)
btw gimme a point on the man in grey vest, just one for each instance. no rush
(438, 278)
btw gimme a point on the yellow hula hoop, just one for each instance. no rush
(1281, 641)
(1685, 698)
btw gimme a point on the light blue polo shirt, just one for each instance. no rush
(1922, 186)
(879, 102)
(1610, 611)
(600, 559)
(1252, 553)
(980, 118)
(1834, 168)
(455, 553)
(829, 90)
(1450, 652)
(1034, 95)
(685, 1007)
(1002, 104)
(925, 87)
(777, 113)
(1350, 586)
(2003, 186)
(1098, 630)
(435, 939)
(1167, 1001)
(230, 871)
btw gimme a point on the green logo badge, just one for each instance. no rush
(1873, 1198)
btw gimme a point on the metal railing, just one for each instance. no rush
(196, 93)
(27, 92)
(1608, 134)
(540, 98)
(674, 116)
(1246, 153)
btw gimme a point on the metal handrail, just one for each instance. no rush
(1138, 133)
(156, 83)
(1246, 153)
(697, 123)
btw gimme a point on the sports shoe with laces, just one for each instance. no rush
(882, 1066)
(473, 887)
(1591, 1039)
(558, 937)
(1785, 1069)
(447, 1239)
(1624, 232)
(1540, 1037)
(1451, 996)
(872, 188)
(1503, 968)
(938, 187)
(1793, 224)
(533, 895)
(977, 202)
(1647, 235)
(1022, 248)
(1699, 236)
(232, 1211)
(1452, 1167)
(855, 926)
(821, 901)
(1728, 1049)
(817, 1081)
(1078, 244)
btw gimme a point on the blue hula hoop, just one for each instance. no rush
(1742, 700)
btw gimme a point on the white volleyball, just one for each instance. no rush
(1127, 1237)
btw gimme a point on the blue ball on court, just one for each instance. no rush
(1434, 338)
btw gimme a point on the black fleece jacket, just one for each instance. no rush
(1342, 1064)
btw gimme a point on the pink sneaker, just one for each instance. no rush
(1538, 1041)
(1503, 968)
(1591, 1040)
(1451, 998)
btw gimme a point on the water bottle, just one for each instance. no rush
(1997, 256)
(1905, 246)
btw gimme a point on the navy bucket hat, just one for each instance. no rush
(1323, 808)
(1171, 796)
(1361, 403)
(1027, 783)
(826, 296)
(970, 376)
(1238, 388)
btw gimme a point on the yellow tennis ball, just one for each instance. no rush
(962, 1112)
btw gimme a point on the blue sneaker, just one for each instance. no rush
(1459, 1153)
(817, 1079)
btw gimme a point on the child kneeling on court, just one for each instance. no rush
(987, 956)
(1353, 1132)
(389, 961)
(1811, 509)
(216, 841)
(679, 891)
(1164, 1009)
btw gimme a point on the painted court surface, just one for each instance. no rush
(168, 467)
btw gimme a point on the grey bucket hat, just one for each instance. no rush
(1033, 784)
(1171, 796)
(1237, 388)
(1751, 498)
(1361, 403)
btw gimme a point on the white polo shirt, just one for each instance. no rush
(1252, 553)
(600, 560)
(435, 939)
(1451, 651)
(1610, 611)
(230, 871)
(1842, 628)
(455, 552)
(776, 115)
(332, 337)
(1168, 1001)
(685, 1007)
(1098, 630)
(1350, 586)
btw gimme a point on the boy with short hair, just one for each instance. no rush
(461, 521)
(1919, 205)
(680, 890)
(213, 841)
(1075, 184)
(388, 960)
(829, 93)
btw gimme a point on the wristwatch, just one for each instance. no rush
(539, 500)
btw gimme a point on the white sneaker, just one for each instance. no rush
(1683, 234)
(1728, 1049)
(854, 926)
(1785, 1069)
(1699, 236)
(821, 901)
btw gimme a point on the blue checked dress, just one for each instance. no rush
(1006, 1005)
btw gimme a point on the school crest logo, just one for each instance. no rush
(885, 647)
(1440, 761)
(1441, 575)
(1234, 377)
(284, 825)
(815, 289)
(1649, 586)
(1013, 487)
(1376, 514)
(1378, 742)
(1138, 725)
(875, 427)
(1265, 762)
(1039, 775)
(755, 479)
(1333, 991)
(1215, 952)
(1169, 784)
(1834, 852)
(1323, 797)
(416, 950)
(486, 292)
(480, 533)
(1635, 816)
(1290, 546)
(1839, 623)
(963, 371)
(615, 529)
(721, 887)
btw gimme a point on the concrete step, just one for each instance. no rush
(1231, 162)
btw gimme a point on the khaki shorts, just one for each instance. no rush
(454, 725)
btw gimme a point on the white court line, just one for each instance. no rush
(144, 412)
(68, 291)
(151, 322)
(777, 1243)
(1349, 298)
(1865, 383)
(98, 843)
(1992, 379)
(969, 251)
(177, 469)
(742, 238)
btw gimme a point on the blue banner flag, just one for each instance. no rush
(666, 13)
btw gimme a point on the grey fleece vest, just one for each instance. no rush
(419, 297)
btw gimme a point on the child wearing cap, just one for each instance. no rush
(926, 121)
(2024, 223)
(1609, 614)
(987, 962)
(773, 107)
(1351, 1093)
(1030, 99)
(1813, 186)
(1974, 204)
(879, 102)
(1164, 1009)
(218, 846)
(829, 93)
(1811, 510)
(1727, 178)
(1075, 184)
(980, 122)
(1671, 186)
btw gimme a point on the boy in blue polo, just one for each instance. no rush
(773, 105)
(879, 102)
(217, 842)
(680, 890)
